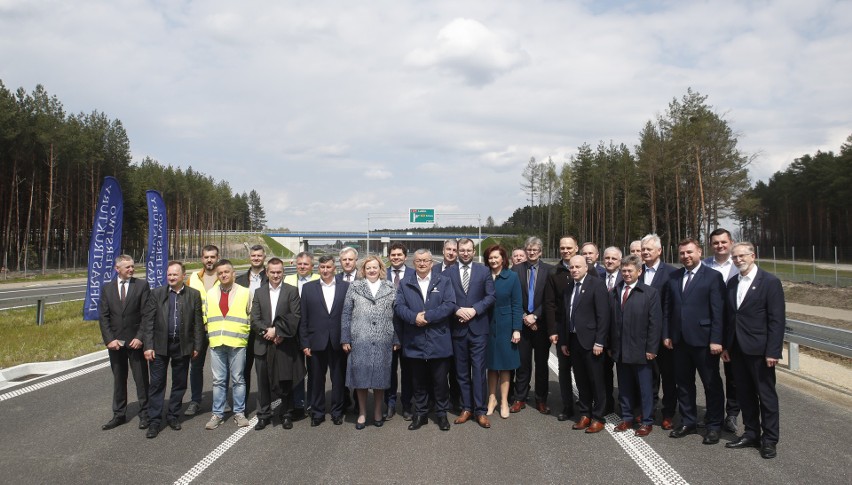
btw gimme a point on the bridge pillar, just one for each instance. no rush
(385, 244)
(303, 245)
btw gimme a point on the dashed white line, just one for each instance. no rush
(49, 382)
(220, 450)
(654, 466)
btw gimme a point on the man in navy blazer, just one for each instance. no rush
(535, 341)
(397, 271)
(635, 328)
(319, 331)
(754, 336)
(721, 242)
(122, 302)
(425, 301)
(583, 337)
(692, 328)
(474, 289)
(656, 273)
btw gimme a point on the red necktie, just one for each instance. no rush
(223, 303)
(624, 296)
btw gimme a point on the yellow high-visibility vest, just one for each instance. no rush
(233, 329)
(194, 281)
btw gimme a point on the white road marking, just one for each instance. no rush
(49, 382)
(220, 450)
(654, 466)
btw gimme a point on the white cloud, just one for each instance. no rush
(468, 49)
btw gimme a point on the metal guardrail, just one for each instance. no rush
(820, 337)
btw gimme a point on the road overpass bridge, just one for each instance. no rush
(378, 242)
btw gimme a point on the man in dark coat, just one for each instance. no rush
(172, 332)
(424, 301)
(279, 362)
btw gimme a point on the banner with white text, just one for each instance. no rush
(104, 245)
(157, 256)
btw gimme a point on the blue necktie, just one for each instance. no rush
(531, 294)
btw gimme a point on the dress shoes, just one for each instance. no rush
(360, 426)
(262, 423)
(483, 421)
(730, 424)
(644, 430)
(542, 407)
(174, 424)
(623, 426)
(667, 424)
(517, 406)
(595, 426)
(743, 443)
(682, 431)
(767, 451)
(711, 438)
(287, 422)
(417, 422)
(378, 423)
(317, 420)
(114, 422)
(152, 432)
(144, 423)
(443, 423)
(583, 423)
(464, 417)
(391, 412)
(565, 415)
(337, 420)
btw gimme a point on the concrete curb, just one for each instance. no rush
(42, 369)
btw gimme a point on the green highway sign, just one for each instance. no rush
(421, 216)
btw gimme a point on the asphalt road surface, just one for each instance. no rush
(24, 294)
(51, 433)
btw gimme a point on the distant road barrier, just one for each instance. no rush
(820, 337)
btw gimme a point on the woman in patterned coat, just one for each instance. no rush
(368, 336)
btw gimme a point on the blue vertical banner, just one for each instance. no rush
(104, 245)
(157, 259)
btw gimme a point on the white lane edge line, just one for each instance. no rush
(49, 382)
(649, 461)
(220, 450)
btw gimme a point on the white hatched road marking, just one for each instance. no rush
(49, 382)
(654, 466)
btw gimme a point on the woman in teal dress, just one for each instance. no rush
(502, 356)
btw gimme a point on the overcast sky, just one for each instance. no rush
(332, 111)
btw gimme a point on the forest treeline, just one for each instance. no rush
(53, 164)
(685, 175)
(684, 178)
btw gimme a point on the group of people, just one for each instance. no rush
(459, 333)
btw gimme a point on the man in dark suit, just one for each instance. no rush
(348, 263)
(656, 273)
(721, 241)
(533, 274)
(319, 330)
(754, 336)
(425, 301)
(173, 332)
(396, 273)
(279, 362)
(450, 254)
(554, 312)
(252, 279)
(612, 278)
(635, 328)
(583, 336)
(692, 329)
(474, 289)
(122, 302)
(590, 251)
